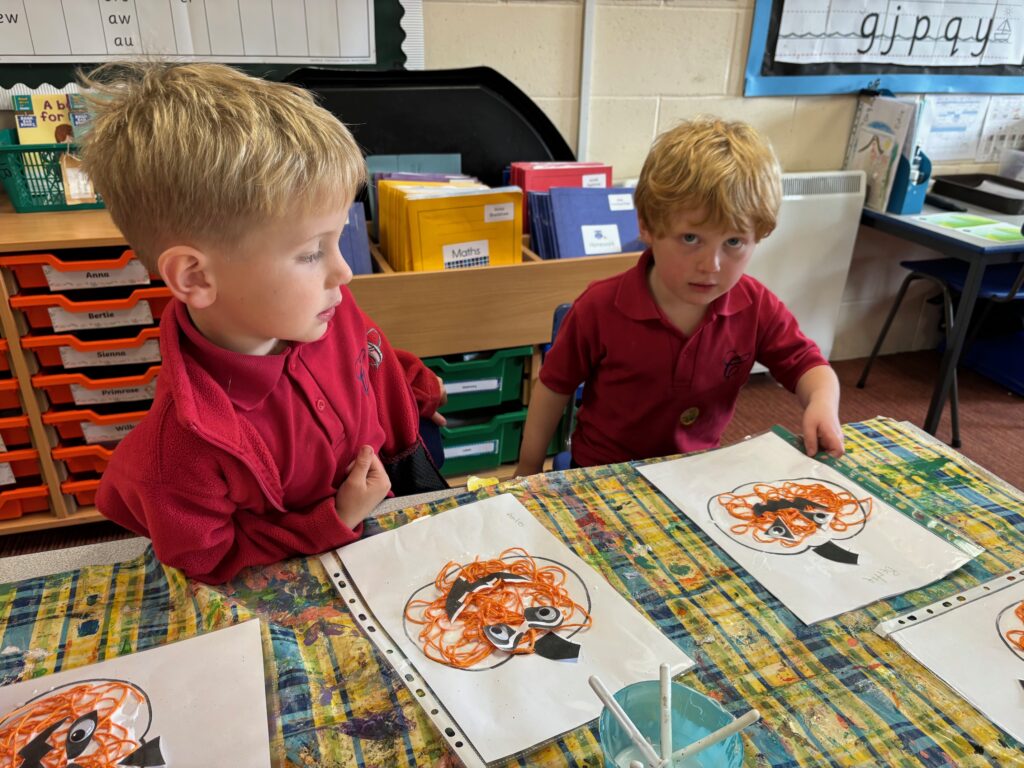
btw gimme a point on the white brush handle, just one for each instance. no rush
(714, 737)
(627, 725)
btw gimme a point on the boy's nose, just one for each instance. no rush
(710, 260)
(340, 273)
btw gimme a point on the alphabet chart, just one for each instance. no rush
(933, 33)
(300, 31)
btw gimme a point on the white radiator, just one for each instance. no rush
(806, 259)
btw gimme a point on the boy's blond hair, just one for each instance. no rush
(197, 154)
(726, 169)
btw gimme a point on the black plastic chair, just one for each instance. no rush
(1001, 283)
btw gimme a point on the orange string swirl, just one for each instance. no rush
(1016, 636)
(111, 741)
(847, 510)
(463, 643)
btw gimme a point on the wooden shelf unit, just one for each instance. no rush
(427, 313)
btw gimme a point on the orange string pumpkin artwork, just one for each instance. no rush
(794, 515)
(88, 724)
(480, 614)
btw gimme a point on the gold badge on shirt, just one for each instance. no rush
(687, 417)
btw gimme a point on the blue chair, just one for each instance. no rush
(1001, 283)
(563, 459)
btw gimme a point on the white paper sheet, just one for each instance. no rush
(963, 642)
(528, 700)
(207, 700)
(893, 553)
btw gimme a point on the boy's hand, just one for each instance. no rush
(436, 416)
(366, 486)
(821, 429)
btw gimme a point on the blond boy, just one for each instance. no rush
(663, 349)
(282, 415)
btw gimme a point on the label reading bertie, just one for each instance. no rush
(63, 320)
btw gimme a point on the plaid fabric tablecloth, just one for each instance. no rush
(830, 694)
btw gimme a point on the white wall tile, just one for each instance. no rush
(621, 131)
(662, 51)
(536, 46)
(564, 113)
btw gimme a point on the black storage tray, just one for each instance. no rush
(966, 187)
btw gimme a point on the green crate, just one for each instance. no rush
(485, 382)
(486, 440)
(31, 176)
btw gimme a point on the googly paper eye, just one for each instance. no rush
(503, 637)
(780, 530)
(543, 617)
(80, 735)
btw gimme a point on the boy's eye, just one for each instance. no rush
(309, 258)
(734, 242)
(689, 238)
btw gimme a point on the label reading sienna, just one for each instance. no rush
(462, 255)
(63, 320)
(132, 273)
(149, 352)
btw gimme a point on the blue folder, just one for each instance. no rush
(593, 222)
(355, 241)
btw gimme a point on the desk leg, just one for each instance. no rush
(955, 346)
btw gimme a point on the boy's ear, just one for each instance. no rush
(186, 271)
(645, 232)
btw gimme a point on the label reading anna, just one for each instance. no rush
(132, 273)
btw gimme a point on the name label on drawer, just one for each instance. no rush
(592, 180)
(149, 352)
(473, 449)
(85, 396)
(601, 238)
(63, 320)
(3, 448)
(473, 254)
(6, 475)
(106, 433)
(476, 385)
(133, 273)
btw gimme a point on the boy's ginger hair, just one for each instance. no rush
(197, 154)
(724, 168)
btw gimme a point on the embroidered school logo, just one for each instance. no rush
(733, 361)
(373, 347)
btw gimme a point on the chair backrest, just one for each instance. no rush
(560, 312)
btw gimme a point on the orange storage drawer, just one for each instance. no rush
(79, 389)
(93, 427)
(5, 364)
(83, 459)
(14, 432)
(9, 395)
(84, 491)
(49, 272)
(20, 501)
(23, 462)
(61, 313)
(69, 352)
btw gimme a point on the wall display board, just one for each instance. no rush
(913, 46)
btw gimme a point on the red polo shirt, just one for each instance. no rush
(311, 416)
(653, 391)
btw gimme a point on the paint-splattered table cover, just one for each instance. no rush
(830, 694)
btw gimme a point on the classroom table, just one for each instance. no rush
(834, 693)
(978, 252)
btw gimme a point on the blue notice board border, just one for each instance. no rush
(757, 83)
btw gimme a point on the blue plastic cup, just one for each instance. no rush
(694, 716)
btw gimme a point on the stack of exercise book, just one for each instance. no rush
(570, 222)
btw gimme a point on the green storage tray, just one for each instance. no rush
(488, 441)
(31, 176)
(484, 382)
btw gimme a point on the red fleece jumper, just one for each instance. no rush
(197, 478)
